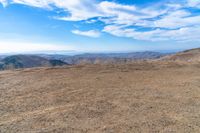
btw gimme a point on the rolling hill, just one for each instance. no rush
(27, 61)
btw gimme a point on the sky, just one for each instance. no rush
(99, 25)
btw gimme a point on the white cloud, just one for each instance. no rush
(168, 21)
(90, 33)
(4, 2)
(78, 9)
(193, 3)
(172, 20)
(121, 31)
(179, 24)
(182, 34)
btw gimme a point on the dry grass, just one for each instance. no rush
(127, 98)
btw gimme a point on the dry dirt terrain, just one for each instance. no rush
(155, 97)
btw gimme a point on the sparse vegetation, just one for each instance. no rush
(145, 96)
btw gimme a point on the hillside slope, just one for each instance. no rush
(192, 56)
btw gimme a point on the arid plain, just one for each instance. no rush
(140, 97)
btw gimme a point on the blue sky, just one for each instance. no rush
(99, 25)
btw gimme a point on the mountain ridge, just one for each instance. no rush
(45, 60)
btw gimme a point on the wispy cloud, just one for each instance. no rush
(193, 3)
(90, 33)
(4, 2)
(78, 9)
(182, 34)
(159, 22)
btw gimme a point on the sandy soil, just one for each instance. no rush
(126, 98)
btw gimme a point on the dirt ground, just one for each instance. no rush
(124, 98)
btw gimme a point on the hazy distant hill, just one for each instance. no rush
(27, 61)
(2, 56)
(42, 60)
(106, 57)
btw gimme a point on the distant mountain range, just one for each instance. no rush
(47, 60)
(105, 57)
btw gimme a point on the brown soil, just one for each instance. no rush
(125, 98)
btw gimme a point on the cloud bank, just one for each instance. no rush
(164, 21)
